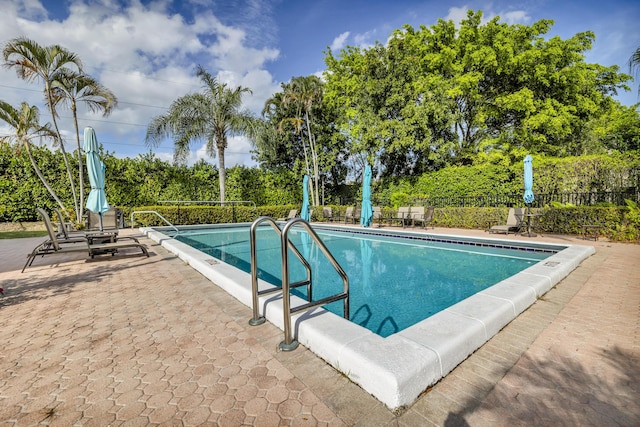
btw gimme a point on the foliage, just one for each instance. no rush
(629, 228)
(300, 135)
(34, 62)
(25, 123)
(140, 181)
(212, 116)
(68, 88)
(476, 93)
(21, 234)
(595, 173)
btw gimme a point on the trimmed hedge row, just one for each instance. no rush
(616, 223)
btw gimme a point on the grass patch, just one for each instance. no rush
(21, 234)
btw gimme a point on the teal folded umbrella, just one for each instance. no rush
(366, 213)
(305, 212)
(97, 200)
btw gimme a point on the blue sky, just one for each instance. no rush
(146, 51)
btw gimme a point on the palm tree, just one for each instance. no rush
(25, 123)
(68, 88)
(634, 64)
(305, 93)
(34, 62)
(212, 115)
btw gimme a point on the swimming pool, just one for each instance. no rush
(395, 281)
(396, 369)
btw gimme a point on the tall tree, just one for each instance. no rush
(69, 88)
(299, 112)
(26, 126)
(454, 94)
(634, 64)
(211, 115)
(34, 62)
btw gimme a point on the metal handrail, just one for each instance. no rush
(160, 216)
(289, 343)
(257, 319)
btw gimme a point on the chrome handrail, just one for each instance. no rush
(257, 319)
(154, 212)
(289, 343)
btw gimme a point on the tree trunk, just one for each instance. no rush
(314, 158)
(63, 151)
(222, 172)
(41, 176)
(80, 164)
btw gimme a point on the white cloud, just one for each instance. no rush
(457, 14)
(515, 17)
(340, 41)
(144, 54)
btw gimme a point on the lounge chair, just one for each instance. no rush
(292, 214)
(53, 245)
(418, 215)
(64, 226)
(403, 216)
(64, 235)
(514, 222)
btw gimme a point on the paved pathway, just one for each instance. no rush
(128, 340)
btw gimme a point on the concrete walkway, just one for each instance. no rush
(128, 340)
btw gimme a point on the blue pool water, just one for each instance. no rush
(394, 282)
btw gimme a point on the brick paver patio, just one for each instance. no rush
(129, 340)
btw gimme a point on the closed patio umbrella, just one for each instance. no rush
(528, 180)
(366, 213)
(305, 212)
(97, 200)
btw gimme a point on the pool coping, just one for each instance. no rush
(398, 368)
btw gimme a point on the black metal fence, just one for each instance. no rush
(615, 198)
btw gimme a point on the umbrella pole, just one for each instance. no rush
(100, 220)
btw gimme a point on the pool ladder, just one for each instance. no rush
(289, 342)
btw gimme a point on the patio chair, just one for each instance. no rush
(352, 215)
(403, 216)
(110, 220)
(53, 245)
(327, 214)
(108, 234)
(419, 216)
(292, 214)
(514, 222)
(348, 214)
(377, 215)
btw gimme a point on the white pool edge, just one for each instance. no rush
(397, 369)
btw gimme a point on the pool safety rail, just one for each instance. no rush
(289, 342)
(158, 215)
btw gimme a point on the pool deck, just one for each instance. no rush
(130, 340)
